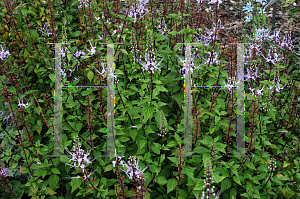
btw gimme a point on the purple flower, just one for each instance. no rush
(141, 10)
(131, 164)
(3, 54)
(3, 173)
(22, 104)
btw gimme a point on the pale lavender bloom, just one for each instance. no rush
(152, 62)
(258, 92)
(63, 52)
(38, 163)
(4, 54)
(22, 104)
(251, 75)
(93, 50)
(276, 58)
(163, 28)
(79, 157)
(131, 164)
(141, 10)
(45, 29)
(83, 2)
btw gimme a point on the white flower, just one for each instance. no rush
(22, 104)
(92, 50)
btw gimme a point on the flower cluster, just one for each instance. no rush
(272, 166)
(4, 54)
(22, 104)
(208, 181)
(45, 30)
(132, 167)
(141, 10)
(3, 172)
(79, 159)
(83, 2)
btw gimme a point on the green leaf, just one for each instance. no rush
(147, 112)
(53, 180)
(90, 75)
(226, 184)
(237, 180)
(217, 178)
(177, 46)
(161, 180)
(14, 165)
(75, 183)
(285, 192)
(124, 51)
(189, 172)
(178, 139)
(264, 18)
(250, 165)
(221, 147)
(173, 159)
(108, 168)
(271, 114)
(155, 149)
(171, 185)
(133, 133)
(142, 142)
(12, 89)
(233, 193)
(76, 34)
(69, 56)
(40, 172)
(55, 171)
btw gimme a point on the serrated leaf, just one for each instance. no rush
(237, 180)
(217, 178)
(161, 180)
(90, 75)
(178, 139)
(171, 185)
(108, 168)
(272, 114)
(173, 159)
(233, 193)
(286, 164)
(40, 172)
(75, 183)
(250, 165)
(50, 192)
(55, 171)
(14, 165)
(226, 184)
(76, 34)
(189, 172)
(155, 149)
(147, 112)
(124, 51)
(285, 192)
(12, 89)
(53, 180)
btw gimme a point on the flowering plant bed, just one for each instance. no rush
(162, 84)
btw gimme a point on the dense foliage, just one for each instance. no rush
(149, 103)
